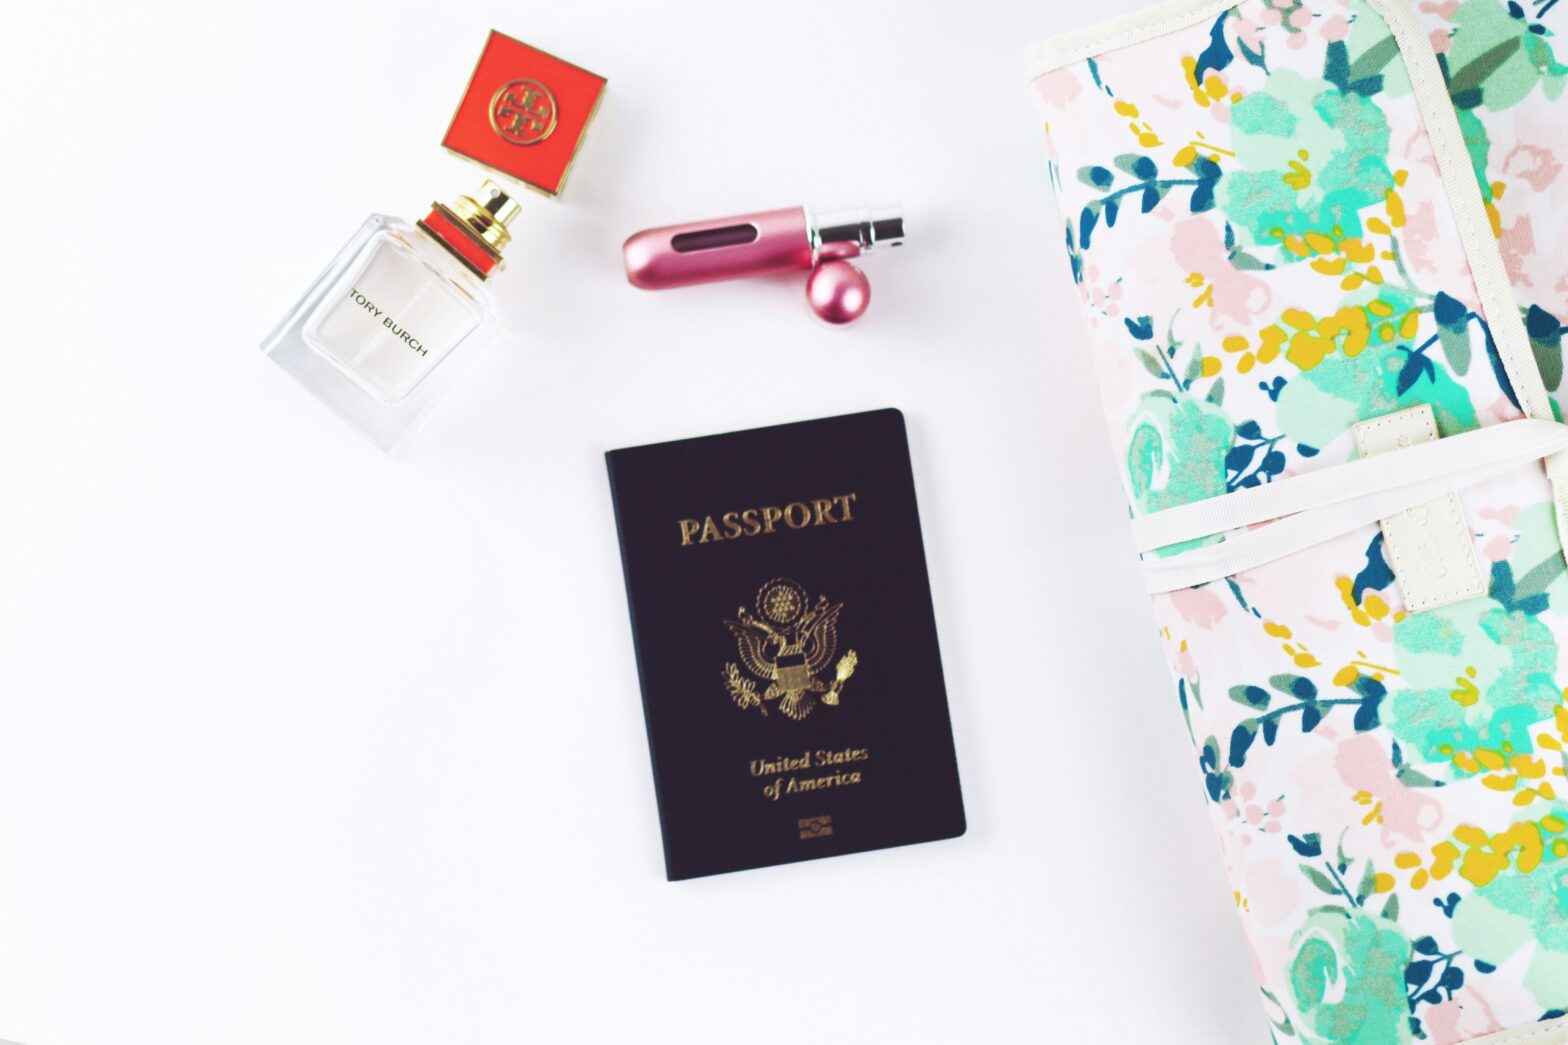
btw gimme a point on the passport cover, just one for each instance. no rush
(1385, 776)
(786, 644)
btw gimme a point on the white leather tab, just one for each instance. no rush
(1429, 546)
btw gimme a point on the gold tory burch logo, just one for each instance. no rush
(523, 112)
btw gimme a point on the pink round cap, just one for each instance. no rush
(838, 291)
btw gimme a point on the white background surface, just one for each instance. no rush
(302, 744)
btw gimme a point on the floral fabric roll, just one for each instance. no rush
(1267, 253)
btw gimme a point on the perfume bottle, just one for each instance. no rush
(770, 241)
(388, 329)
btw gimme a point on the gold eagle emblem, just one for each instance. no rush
(787, 643)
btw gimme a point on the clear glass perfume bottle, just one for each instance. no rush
(387, 330)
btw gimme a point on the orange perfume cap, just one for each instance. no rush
(525, 113)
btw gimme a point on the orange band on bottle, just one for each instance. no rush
(478, 257)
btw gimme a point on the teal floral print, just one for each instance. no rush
(1310, 158)
(1177, 451)
(1325, 401)
(1507, 82)
(1348, 979)
(1480, 673)
(1498, 58)
(1517, 912)
(1266, 254)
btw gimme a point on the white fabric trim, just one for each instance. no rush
(1554, 1032)
(1123, 31)
(1343, 498)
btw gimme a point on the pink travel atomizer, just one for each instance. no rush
(792, 239)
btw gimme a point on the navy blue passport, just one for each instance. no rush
(786, 644)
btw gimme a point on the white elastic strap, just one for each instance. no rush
(1469, 462)
(1507, 445)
